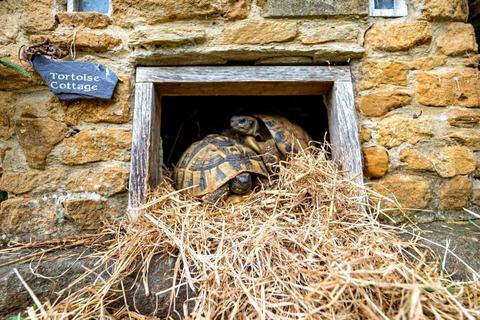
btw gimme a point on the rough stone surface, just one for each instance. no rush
(39, 18)
(288, 61)
(464, 118)
(12, 80)
(3, 153)
(476, 196)
(466, 137)
(35, 181)
(397, 129)
(125, 12)
(380, 103)
(115, 111)
(458, 88)
(89, 214)
(454, 193)
(334, 53)
(433, 91)
(18, 183)
(376, 161)
(38, 137)
(329, 32)
(260, 32)
(84, 41)
(379, 73)
(92, 20)
(106, 182)
(168, 37)
(465, 84)
(471, 61)
(457, 39)
(409, 190)
(26, 215)
(456, 10)
(9, 25)
(7, 111)
(97, 145)
(295, 8)
(416, 160)
(398, 36)
(365, 134)
(452, 161)
(428, 63)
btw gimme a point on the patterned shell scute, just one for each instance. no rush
(210, 163)
(288, 136)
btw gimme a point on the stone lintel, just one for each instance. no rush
(302, 8)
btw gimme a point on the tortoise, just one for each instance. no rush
(218, 167)
(271, 135)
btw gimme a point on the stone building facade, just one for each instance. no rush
(65, 165)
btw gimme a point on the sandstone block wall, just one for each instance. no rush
(65, 165)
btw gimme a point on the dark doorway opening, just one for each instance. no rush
(474, 16)
(186, 119)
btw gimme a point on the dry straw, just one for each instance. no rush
(310, 247)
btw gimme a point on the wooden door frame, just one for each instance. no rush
(333, 83)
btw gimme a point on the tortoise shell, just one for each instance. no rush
(288, 136)
(213, 161)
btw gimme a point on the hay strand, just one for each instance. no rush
(310, 247)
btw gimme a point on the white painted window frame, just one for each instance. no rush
(72, 6)
(400, 10)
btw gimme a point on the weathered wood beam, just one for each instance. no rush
(146, 159)
(343, 129)
(244, 89)
(242, 74)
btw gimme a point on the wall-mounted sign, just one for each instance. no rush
(300, 8)
(76, 80)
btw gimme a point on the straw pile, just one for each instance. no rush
(308, 248)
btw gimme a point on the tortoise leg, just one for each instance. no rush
(253, 144)
(220, 193)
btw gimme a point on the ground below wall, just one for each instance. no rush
(461, 238)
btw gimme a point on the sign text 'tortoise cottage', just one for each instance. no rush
(76, 80)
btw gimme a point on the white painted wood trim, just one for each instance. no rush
(72, 6)
(400, 10)
(242, 74)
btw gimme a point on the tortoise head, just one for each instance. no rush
(245, 125)
(241, 184)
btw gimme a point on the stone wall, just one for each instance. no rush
(65, 164)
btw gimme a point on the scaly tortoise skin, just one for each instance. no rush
(286, 134)
(211, 163)
(276, 138)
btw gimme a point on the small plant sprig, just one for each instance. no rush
(5, 62)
